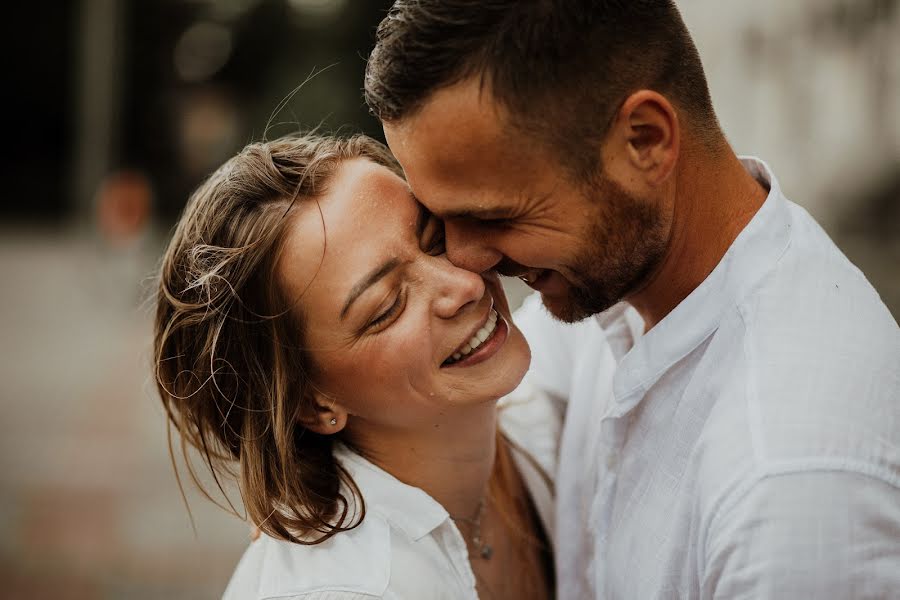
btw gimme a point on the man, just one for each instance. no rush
(733, 388)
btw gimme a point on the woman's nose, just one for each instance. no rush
(456, 289)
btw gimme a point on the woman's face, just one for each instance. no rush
(390, 322)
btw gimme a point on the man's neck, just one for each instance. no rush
(450, 460)
(714, 201)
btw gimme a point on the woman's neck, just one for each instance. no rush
(450, 459)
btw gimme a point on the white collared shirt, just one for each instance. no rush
(747, 446)
(407, 546)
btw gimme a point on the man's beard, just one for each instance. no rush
(624, 243)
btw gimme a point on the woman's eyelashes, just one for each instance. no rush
(432, 243)
(387, 314)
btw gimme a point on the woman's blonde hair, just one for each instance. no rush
(231, 366)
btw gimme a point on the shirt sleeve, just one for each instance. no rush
(813, 534)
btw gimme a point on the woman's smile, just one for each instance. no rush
(483, 344)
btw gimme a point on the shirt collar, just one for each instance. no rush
(750, 256)
(405, 507)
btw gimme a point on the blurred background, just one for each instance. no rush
(120, 107)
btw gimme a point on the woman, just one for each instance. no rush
(314, 341)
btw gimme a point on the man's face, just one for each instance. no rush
(509, 203)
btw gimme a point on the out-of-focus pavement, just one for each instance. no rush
(89, 506)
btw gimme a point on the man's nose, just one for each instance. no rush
(469, 247)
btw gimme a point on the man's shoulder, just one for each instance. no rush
(753, 436)
(814, 372)
(815, 287)
(814, 326)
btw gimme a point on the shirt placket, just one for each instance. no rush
(613, 433)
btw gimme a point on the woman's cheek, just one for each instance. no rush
(413, 337)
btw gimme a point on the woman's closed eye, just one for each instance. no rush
(385, 316)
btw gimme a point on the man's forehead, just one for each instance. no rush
(465, 100)
(459, 115)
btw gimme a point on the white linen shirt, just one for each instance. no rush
(748, 445)
(407, 547)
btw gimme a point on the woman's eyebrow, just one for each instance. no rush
(369, 280)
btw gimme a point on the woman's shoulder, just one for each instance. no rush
(391, 553)
(350, 565)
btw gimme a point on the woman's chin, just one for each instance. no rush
(512, 362)
(499, 375)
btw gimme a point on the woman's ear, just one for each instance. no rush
(326, 416)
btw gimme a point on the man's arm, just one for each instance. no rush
(807, 534)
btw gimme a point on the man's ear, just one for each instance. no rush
(326, 416)
(644, 140)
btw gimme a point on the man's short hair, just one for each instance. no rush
(561, 68)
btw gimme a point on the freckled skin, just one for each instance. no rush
(390, 377)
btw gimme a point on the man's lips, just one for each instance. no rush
(534, 278)
(530, 276)
(510, 268)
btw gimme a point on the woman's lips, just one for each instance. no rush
(488, 347)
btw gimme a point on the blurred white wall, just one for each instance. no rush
(810, 86)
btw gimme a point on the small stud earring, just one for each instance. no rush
(333, 421)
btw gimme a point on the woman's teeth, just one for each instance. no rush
(479, 337)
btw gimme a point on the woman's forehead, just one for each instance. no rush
(366, 213)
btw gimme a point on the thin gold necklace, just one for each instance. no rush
(484, 550)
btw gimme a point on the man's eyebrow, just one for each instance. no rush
(369, 280)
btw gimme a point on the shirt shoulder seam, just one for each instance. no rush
(784, 468)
